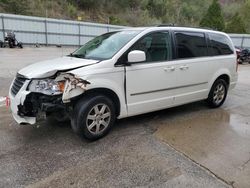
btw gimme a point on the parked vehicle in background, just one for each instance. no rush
(10, 40)
(244, 56)
(126, 73)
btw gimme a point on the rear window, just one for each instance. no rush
(219, 45)
(190, 44)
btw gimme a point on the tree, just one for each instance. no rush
(213, 18)
(245, 13)
(157, 8)
(236, 25)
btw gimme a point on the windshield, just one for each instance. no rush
(105, 46)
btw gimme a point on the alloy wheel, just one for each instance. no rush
(98, 118)
(219, 93)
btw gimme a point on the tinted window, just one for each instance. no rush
(189, 44)
(219, 45)
(156, 46)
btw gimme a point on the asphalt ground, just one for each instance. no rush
(186, 146)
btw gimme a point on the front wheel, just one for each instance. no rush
(93, 117)
(217, 94)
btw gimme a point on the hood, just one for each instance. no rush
(50, 67)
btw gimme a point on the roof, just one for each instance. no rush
(176, 28)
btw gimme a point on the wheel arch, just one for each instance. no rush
(225, 77)
(103, 91)
(223, 74)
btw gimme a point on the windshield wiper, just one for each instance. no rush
(77, 55)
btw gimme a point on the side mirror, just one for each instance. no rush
(136, 56)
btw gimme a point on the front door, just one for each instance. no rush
(149, 84)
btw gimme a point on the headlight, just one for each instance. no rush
(47, 86)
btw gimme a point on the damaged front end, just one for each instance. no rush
(35, 99)
(73, 87)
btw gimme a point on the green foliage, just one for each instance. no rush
(213, 18)
(230, 9)
(16, 7)
(245, 14)
(87, 4)
(114, 20)
(157, 8)
(236, 25)
(137, 12)
(72, 11)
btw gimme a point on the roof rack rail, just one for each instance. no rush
(175, 25)
(167, 25)
(209, 28)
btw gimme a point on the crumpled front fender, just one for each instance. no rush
(74, 86)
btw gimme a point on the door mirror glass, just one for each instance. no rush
(136, 56)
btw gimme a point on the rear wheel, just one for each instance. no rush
(217, 94)
(93, 117)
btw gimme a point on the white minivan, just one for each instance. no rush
(126, 73)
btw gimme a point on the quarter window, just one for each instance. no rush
(219, 45)
(190, 44)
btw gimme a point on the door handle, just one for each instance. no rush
(184, 67)
(168, 69)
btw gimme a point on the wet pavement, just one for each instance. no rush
(218, 139)
(187, 146)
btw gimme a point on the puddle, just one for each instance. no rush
(217, 139)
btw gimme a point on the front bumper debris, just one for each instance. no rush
(29, 107)
(17, 100)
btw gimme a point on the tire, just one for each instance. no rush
(20, 45)
(217, 94)
(93, 117)
(11, 45)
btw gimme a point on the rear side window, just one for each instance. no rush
(219, 45)
(190, 45)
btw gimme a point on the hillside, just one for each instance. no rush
(127, 12)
